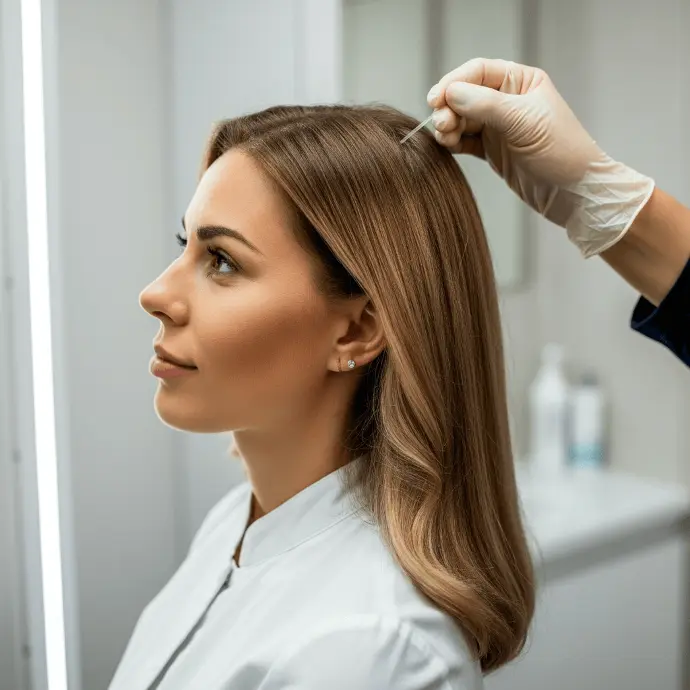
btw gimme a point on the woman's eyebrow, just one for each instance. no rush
(208, 232)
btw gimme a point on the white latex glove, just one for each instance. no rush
(512, 116)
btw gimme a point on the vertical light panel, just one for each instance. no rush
(41, 344)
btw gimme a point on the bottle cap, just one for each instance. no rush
(552, 353)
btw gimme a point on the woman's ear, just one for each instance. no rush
(372, 340)
(364, 339)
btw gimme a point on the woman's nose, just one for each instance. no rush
(163, 298)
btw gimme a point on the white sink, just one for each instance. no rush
(570, 510)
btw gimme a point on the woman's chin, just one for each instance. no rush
(180, 415)
(177, 414)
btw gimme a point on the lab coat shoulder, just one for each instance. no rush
(367, 652)
(233, 502)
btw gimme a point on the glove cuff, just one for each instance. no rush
(606, 202)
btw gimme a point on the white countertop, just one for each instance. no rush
(571, 511)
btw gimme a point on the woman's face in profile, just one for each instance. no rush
(249, 319)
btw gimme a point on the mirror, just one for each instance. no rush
(398, 67)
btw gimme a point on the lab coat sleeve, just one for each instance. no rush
(364, 655)
(669, 323)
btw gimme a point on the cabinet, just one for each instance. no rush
(617, 624)
(611, 610)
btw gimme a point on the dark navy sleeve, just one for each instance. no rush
(669, 323)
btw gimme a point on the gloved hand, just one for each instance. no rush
(512, 116)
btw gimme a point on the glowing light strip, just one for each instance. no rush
(41, 344)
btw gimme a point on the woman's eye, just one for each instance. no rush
(219, 258)
(182, 241)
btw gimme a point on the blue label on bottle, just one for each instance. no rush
(586, 455)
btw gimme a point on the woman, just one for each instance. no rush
(335, 308)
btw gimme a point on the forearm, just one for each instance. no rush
(654, 251)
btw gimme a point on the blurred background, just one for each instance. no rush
(131, 90)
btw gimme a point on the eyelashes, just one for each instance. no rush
(219, 257)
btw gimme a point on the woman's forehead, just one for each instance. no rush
(233, 177)
(234, 192)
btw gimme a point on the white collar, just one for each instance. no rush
(309, 512)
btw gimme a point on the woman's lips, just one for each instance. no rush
(166, 370)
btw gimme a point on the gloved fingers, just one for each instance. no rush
(448, 139)
(461, 143)
(472, 146)
(472, 127)
(478, 104)
(452, 127)
(445, 119)
(480, 71)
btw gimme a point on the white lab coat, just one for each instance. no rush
(317, 603)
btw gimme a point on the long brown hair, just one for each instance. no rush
(399, 224)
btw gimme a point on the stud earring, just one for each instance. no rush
(350, 364)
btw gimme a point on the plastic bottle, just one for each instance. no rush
(587, 423)
(549, 410)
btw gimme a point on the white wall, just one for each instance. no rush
(109, 197)
(385, 65)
